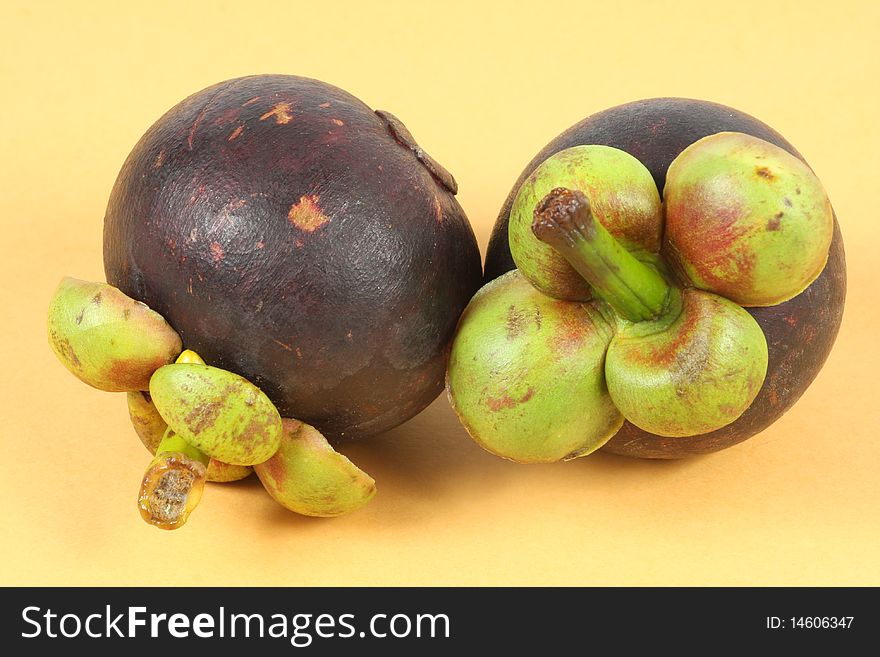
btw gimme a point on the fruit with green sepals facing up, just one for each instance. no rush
(800, 332)
(682, 362)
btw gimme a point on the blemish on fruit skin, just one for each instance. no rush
(160, 159)
(283, 345)
(260, 244)
(515, 324)
(711, 246)
(282, 113)
(438, 210)
(306, 215)
(337, 122)
(656, 125)
(765, 173)
(217, 252)
(787, 201)
(809, 333)
(226, 117)
(496, 404)
(235, 133)
(195, 125)
(791, 320)
(324, 105)
(773, 224)
(251, 101)
(275, 468)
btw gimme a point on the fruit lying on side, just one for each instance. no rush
(194, 414)
(299, 239)
(799, 332)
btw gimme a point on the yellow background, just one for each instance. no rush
(80, 82)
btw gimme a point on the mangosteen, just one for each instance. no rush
(800, 326)
(293, 236)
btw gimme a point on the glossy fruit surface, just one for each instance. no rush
(294, 236)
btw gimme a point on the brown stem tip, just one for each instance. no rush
(171, 489)
(561, 217)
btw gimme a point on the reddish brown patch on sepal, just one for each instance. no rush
(496, 404)
(765, 173)
(306, 215)
(516, 320)
(773, 224)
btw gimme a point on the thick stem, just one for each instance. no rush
(172, 443)
(563, 220)
(173, 483)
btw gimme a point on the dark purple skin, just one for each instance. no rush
(800, 332)
(294, 236)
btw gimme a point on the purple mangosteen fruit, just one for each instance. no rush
(745, 227)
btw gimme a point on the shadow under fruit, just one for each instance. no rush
(799, 332)
(292, 235)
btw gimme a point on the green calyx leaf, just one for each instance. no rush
(746, 219)
(219, 412)
(107, 339)
(526, 374)
(622, 195)
(308, 476)
(691, 372)
(150, 428)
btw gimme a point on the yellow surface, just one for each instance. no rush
(482, 87)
